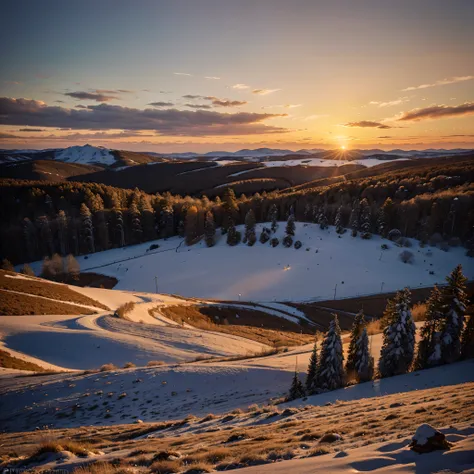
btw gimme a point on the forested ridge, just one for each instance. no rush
(428, 202)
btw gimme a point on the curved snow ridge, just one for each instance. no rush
(86, 154)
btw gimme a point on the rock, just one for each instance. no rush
(341, 454)
(138, 421)
(428, 439)
(330, 438)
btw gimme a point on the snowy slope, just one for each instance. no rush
(262, 273)
(86, 155)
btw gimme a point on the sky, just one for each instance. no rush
(206, 75)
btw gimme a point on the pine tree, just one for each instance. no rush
(209, 229)
(62, 232)
(233, 236)
(331, 360)
(453, 308)
(323, 221)
(31, 239)
(354, 221)
(119, 230)
(7, 265)
(429, 346)
(230, 208)
(467, 341)
(290, 225)
(27, 270)
(273, 217)
(167, 221)
(398, 346)
(296, 389)
(136, 223)
(249, 224)
(338, 221)
(381, 222)
(311, 376)
(364, 362)
(357, 327)
(190, 228)
(365, 225)
(87, 229)
(45, 234)
(265, 235)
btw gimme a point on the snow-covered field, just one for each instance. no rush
(343, 266)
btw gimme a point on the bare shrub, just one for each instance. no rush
(154, 363)
(107, 367)
(129, 365)
(406, 257)
(124, 309)
(419, 312)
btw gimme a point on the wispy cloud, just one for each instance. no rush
(264, 91)
(182, 74)
(315, 116)
(240, 86)
(441, 82)
(212, 78)
(367, 124)
(215, 101)
(390, 103)
(161, 104)
(96, 96)
(437, 112)
(31, 130)
(199, 106)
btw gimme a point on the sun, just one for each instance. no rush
(343, 147)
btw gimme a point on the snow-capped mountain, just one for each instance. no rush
(86, 155)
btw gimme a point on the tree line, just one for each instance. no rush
(39, 219)
(445, 337)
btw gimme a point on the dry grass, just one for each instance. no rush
(9, 362)
(40, 287)
(12, 304)
(107, 367)
(124, 309)
(56, 446)
(419, 312)
(154, 363)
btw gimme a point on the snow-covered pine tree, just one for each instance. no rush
(316, 213)
(467, 341)
(338, 221)
(209, 229)
(233, 237)
(429, 346)
(273, 217)
(265, 235)
(323, 221)
(398, 346)
(453, 307)
(331, 360)
(356, 330)
(364, 362)
(312, 373)
(381, 222)
(296, 389)
(365, 225)
(290, 225)
(354, 221)
(249, 224)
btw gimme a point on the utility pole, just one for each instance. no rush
(381, 287)
(335, 290)
(156, 284)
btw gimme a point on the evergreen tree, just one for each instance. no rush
(311, 377)
(31, 239)
(365, 225)
(249, 224)
(273, 217)
(190, 229)
(119, 229)
(323, 221)
(429, 346)
(72, 267)
(27, 270)
(87, 229)
(331, 361)
(136, 223)
(381, 222)
(453, 308)
(209, 229)
(398, 346)
(167, 221)
(467, 341)
(364, 362)
(265, 235)
(233, 236)
(230, 208)
(356, 331)
(338, 221)
(354, 221)
(290, 225)
(62, 232)
(296, 389)
(46, 236)
(7, 265)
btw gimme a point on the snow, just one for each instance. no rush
(423, 433)
(85, 155)
(357, 266)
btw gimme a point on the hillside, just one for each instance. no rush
(262, 273)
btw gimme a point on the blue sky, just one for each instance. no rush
(267, 73)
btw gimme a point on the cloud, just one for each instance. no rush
(315, 117)
(31, 130)
(59, 101)
(161, 104)
(114, 117)
(115, 91)
(292, 106)
(199, 106)
(182, 74)
(390, 103)
(192, 97)
(437, 112)
(225, 102)
(385, 136)
(5, 136)
(441, 82)
(97, 96)
(240, 86)
(367, 124)
(213, 78)
(14, 83)
(264, 91)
